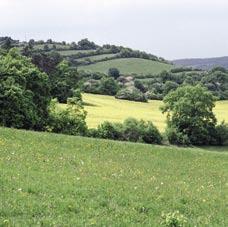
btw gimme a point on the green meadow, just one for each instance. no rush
(72, 52)
(129, 66)
(101, 108)
(56, 180)
(98, 57)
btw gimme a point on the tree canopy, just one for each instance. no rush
(189, 112)
(24, 93)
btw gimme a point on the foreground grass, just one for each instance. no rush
(129, 66)
(101, 108)
(56, 180)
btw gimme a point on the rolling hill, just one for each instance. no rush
(88, 56)
(129, 66)
(50, 180)
(203, 63)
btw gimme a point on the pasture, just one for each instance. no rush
(72, 52)
(57, 180)
(101, 108)
(129, 66)
(98, 57)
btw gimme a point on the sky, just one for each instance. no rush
(168, 28)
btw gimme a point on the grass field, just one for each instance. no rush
(101, 107)
(129, 66)
(98, 57)
(72, 52)
(41, 46)
(55, 180)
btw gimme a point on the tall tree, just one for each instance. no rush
(189, 112)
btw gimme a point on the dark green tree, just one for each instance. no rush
(114, 72)
(169, 86)
(24, 93)
(108, 86)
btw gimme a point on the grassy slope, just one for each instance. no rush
(103, 107)
(72, 52)
(56, 180)
(41, 46)
(98, 57)
(128, 66)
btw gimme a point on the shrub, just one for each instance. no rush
(130, 130)
(69, 121)
(139, 85)
(62, 91)
(150, 133)
(221, 134)
(176, 137)
(114, 72)
(91, 86)
(132, 94)
(108, 130)
(108, 86)
(151, 95)
(92, 132)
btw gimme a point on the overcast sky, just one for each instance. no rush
(168, 28)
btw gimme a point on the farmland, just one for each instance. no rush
(98, 57)
(129, 66)
(101, 107)
(49, 179)
(72, 52)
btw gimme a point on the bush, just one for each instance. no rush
(139, 85)
(91, 86)
(62, 91)
(114, 72)
(177, 138)
(109, 130)
(130, 130)
(151, 95)
(108, 86)
(221, 134)
(132, 94)
(69, 121)
(150, 133)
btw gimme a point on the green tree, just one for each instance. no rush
(63, 81)
(70, 120)
(108, 86)
(189, 114)
(31, 43)
(24, 93)
(46, 48)
(114, 72)
(7, 43)
(169, 86)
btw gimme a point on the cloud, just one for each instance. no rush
(169, 28)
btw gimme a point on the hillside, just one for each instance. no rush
(203, 63)
(51, 179)
(102, 107)
(129, 66)
(87, 55)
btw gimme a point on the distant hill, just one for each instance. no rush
(88, 56)
(203, 63)
(129, 66)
